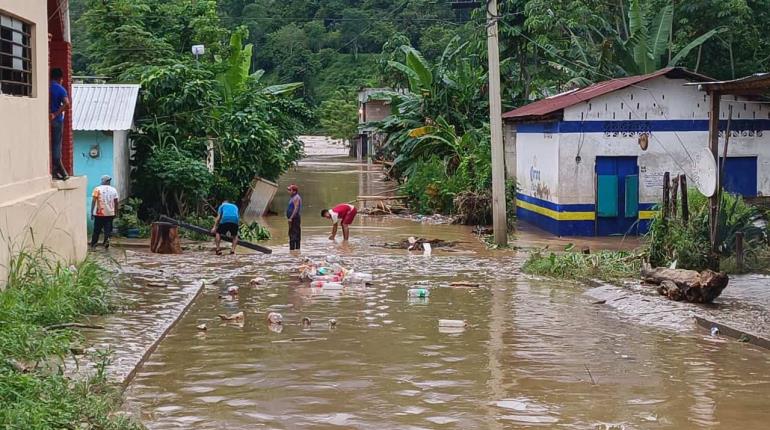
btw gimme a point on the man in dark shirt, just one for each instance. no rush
(293, 214)
(59, 103)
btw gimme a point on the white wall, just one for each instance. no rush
(120, 156)
(34, 211)
(658, 99)
(537, 165)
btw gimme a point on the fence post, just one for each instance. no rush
(674, 192)
(666, 192)
(685, 204)
(739, 250)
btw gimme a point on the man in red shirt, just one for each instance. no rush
(341, 214)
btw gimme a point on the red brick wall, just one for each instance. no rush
(60, 55)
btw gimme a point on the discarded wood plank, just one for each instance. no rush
(689, 285)
(463, 284)
(208, 232)
(74, 325)
(376, 198)
(300, 339)
(674, 192)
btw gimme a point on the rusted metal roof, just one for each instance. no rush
(104, 107)
(757, 83)
(558, 102)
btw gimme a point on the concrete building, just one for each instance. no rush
(35, 211)
(370, 109)
(591, 161)
(102, 117)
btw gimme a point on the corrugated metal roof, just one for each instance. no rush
(758, 82)
(558, 102)
(103, 106)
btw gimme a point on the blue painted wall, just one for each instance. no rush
(93, 168)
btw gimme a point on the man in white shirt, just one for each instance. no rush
(104, 208)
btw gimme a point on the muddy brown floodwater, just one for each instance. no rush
(535, 353)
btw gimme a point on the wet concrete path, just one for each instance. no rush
(536, 353)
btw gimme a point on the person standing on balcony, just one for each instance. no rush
(59, 103)
(104, 207)
(293, 212)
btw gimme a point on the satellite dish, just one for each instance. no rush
(705, 172)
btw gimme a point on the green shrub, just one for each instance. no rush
(40, 293)
(689, 245)
(605, 265)
(253, 232)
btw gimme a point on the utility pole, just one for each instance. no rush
(714, 199)
(499, 216)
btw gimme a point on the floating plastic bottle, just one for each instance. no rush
(418, 292)
(358, 277)
(333, 286)
(452, 323)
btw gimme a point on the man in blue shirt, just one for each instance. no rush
(59, 103)
(293, 212)
(226, 223)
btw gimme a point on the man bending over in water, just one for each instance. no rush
(341, 214)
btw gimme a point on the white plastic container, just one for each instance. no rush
(452, 323)
(333, 286)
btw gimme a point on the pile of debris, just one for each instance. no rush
(331, 274)
(382, 208)
(418, 244)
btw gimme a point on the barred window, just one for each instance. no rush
(15, 57)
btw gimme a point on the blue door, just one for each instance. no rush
(617, 195)
(740, 176)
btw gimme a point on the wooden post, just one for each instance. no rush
(739, 250)
(164, 239)
(685, 203)
(714, 199)
(666, 192)
(499, 212)
(674, 192)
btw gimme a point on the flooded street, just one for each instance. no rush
(534, 353)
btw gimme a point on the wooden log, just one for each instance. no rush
(689, 285)
(685, 202)
(164, 238)
(208, 232)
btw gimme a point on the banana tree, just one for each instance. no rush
(649, 39)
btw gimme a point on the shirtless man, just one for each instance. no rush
(341, 214)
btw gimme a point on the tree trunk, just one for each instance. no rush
(689, 285)
(164, 239)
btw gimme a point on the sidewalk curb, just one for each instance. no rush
(154, 345)
(739, 335)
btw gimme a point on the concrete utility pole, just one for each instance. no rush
(499, 216)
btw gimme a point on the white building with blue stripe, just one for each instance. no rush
(590, 162)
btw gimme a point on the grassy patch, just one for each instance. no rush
(605, 265)
(41, 293)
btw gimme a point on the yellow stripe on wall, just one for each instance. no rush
(647, 214)
(559, 216)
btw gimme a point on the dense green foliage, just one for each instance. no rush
(191, 108)
(688, 244)
(41, 293)
(604, 265)
(435, 53)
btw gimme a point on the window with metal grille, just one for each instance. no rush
(15, 57)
